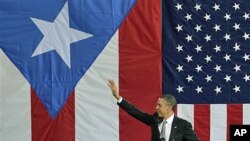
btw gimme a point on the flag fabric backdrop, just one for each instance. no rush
(206, 63)
(56, 58)
(132, 56)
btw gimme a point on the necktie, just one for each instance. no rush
(163, 131)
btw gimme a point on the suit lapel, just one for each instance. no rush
(173, 129)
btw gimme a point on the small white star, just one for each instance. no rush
(179, 48)
(227, 17)
(217, 89)
(236, 26)
(198, 48)
(236, 47)
(199, 89)
(197, 7)
(236, 6)
(236, 88)
(189, 58)
(189, 78)
(198, 28)
(227, 78)
(198, 68)
(246, 36)
(216, 27)
(246, 16)
(179, 89)
(227, 37)
(246, 78)
(188, 17)
(178, 6)
(189, 38)
(237, 68)
(179, 68)
(217, 48)
(207, 17)
(217, 68)
(216, 7)
(179, 27)
(227, 57)
(208, 58)
(246, 57)
(208, 38)
(208, 78)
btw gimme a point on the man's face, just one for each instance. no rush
(163, 108)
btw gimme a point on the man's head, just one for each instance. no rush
(166, 105)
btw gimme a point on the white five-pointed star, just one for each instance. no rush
(217, 89)
(246, 57)
(188, 17)
(227, 17)
(246, 16)
(208, 58)
(199, 89)
(189, 58)
(216, 27)
(179, 68)
(236, 26)
(208, 78)
(178, 6)
(216, 7)
(179, 48)
(217, 68)
(227, 37)
(58, 36)
(227, 78)
(236, 88)
(198, 28)
(236, 6)
(179, 89)
(208, 38)
(198, 68)
(179, 27)
(237, 68)
(246, 36)
(236, 47)
(217, 48)
(246, 78)
(197, 7)
(189, 78)
(227, 57)
(189, 38)
(198, 48)
(207, 17)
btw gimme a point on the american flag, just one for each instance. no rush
(206, 63)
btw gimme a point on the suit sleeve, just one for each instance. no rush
(136, 113)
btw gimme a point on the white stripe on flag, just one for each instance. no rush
(97, 117)
(246, 113)
(15, 110)
(218, 122)
(186, 111)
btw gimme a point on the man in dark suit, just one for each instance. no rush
(165, 126)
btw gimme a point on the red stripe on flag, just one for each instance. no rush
(140, 66)
(234, 116)
(44, 128)
(202, 121)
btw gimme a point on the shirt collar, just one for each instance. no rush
(170, 119)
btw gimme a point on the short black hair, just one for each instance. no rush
(170, 99)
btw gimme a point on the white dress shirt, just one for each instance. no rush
(168, 126)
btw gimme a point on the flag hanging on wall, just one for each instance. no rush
(206, 63)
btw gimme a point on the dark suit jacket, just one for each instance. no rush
(181, 129)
